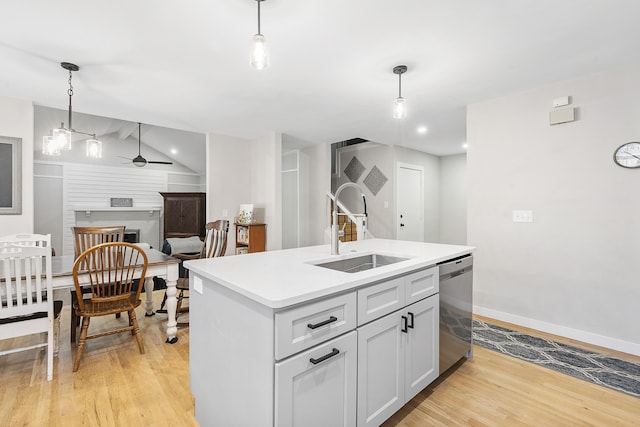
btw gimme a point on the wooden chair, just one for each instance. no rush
(85, 238)
(215, 244)
(111, 269)
(26, 295)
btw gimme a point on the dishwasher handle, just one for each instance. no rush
(456, 267)
(455, 273)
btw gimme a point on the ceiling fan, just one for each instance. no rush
(140, 161)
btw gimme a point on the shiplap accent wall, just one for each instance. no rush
(62, 187)
(88, 186)
(183, 182)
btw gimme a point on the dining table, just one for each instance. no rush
(159, 264)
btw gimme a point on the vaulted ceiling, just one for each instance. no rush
(185, 65)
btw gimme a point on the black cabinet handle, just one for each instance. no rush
(404, 324)
(410, 325)
(326, 322)
(334, 352)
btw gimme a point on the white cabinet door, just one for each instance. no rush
(380, 369)
(422, 345)
(318, 387)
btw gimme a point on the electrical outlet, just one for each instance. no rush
(523, 216)
(197, 284)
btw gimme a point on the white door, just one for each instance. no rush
(380, 370)
(422, 349)
(317, 388)
(410, 203)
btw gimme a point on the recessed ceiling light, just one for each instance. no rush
(422, 130)
(174, 151)
(465, 145)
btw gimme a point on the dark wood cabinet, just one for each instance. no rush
(184, 214)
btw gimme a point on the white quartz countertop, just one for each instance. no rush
(279, 279)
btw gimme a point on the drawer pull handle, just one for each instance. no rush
(404, 324)
(326, 322)
(410, 325)
(334, 352)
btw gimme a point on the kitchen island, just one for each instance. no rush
(277, 340)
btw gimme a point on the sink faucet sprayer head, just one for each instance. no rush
(364, 200)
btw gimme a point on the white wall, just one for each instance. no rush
(575, 270)
(16, 120)
(229, 179)
(266, 192)
(453, 199)
(242, 171)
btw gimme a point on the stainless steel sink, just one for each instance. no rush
(361, 263)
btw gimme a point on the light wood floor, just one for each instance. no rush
(117, 386)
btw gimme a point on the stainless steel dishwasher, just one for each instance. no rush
(456, 302)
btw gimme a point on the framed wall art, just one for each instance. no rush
(10, 175)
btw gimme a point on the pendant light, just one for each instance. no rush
(259, 48)
(94, 148)
(60, 138)
(399, 104)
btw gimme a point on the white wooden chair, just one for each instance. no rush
(26, 295)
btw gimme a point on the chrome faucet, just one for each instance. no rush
(335, 232)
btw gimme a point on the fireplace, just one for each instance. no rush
(142, 224)
(132, 235)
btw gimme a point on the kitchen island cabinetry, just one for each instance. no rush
(318, 386)
(397, 355)
(276, 340)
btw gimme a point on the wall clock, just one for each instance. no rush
(628, 155)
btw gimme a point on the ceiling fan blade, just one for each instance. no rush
(126, 158)
(160, 163)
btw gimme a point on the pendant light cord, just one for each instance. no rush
(259, 1)
(400, 85)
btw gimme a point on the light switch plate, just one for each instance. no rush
(523, 216)
(561, 102)
(197, 285)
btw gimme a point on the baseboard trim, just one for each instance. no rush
(563, 331)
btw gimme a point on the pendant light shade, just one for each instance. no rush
(94, 148)
(399, 108)
(60, 138)
(399, 104)
(259, 52)
(259, 48)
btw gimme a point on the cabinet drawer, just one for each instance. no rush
(377, 300)
(311, 324)
(421, 284)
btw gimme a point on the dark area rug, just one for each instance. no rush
(594, 367)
